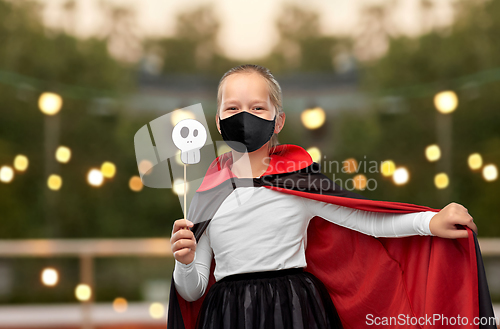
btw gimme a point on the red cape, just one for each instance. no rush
(369, 279)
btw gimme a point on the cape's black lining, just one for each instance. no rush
(485, 306)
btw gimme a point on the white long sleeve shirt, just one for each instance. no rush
(269, 231)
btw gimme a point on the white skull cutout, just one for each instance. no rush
(189, 136)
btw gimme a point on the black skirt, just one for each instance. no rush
(288, 299)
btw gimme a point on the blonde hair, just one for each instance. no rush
(274, 93)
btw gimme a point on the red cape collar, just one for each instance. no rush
(285, 158)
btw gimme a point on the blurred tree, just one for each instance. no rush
(302, 47)
(49, 60)
(120, 32)
(414, 69)
(193, 48)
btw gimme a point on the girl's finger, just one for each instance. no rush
(182, 234)
(182, 252)
(472, 226)
(180, 223)
(462, 219)
(182, 243)
(459, 234)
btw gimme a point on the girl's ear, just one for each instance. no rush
(280, 122)
(217, 123)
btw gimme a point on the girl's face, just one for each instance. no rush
(247, 92)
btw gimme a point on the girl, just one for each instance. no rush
(260, 281)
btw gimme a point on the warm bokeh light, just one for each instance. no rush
(350, 165)
(475, 161)
(83, 292)
(156, 310)
(21, 162)
(388, 167)
(179, 186)
(177, 158)
(315, 153)
(54, 182)
(401, 176)
(63, 154)
(120, 305)
(108, 169)
(49, 276)
(490, 172)
(432, 152)
(50, 103)
(181, 115)
(360, 182)
(313, 118)
(94, 177)
(135, 183)
(441, 180)
(145, 166)
(223, 149)
(446, 101)
(6, 174)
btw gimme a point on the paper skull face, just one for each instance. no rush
(189, 136)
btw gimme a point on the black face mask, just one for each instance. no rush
(246, 132)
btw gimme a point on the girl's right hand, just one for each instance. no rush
(183, 242)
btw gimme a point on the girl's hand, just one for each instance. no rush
(443, 224)
(183, 242)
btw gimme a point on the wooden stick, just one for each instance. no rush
(184, 209)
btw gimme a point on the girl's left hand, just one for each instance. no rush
(443, 224)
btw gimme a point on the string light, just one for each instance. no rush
(63, 154)
(83, 292)
(315, 153)
(145, 166)
(54, 182)
(21, 162)
(49, 276)
(95, 178)
(475, 161)
(441, 180)
(360, 182)
(490, 172)
(388, 168)
(120, 305)
(50, 103)
(108, 169)
(350, 165)
(313, 118)
(180, 115)
(135, 183)
(156, 310)
(178, 187)
(401, 176)
(433, 152)
(224, 148)
(446, 101)
(6, 174)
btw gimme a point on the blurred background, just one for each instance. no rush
(83, 244)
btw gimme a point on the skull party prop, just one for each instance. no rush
(189, 136)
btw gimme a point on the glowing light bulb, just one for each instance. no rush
(49, 276)
(401, 176)
(50, 103)
(21, 162)
(135, 183)
(441, 180)
(83, 292)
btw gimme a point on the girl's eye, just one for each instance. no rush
(231, 108)
(259, 108)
